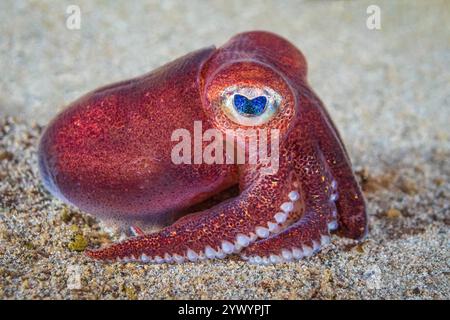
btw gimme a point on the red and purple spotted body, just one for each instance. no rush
(109, 153)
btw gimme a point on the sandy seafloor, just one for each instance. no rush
(388, 91)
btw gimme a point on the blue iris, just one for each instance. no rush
(247, 107)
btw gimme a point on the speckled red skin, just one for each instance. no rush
(108, 153)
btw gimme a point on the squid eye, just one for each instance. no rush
(250, 106)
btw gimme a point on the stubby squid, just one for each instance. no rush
(109, 153)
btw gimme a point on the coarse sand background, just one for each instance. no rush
(388, 91)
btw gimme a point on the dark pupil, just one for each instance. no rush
(247, 107)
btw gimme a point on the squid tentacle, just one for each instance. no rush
(214, 233)
(350, 203)
(312, 231)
